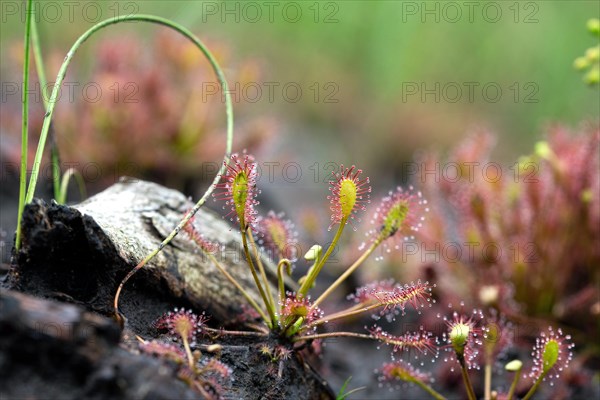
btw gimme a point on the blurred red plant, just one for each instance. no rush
(147, 108)
(541, 219)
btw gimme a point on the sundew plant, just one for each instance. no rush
(291, 314)
(470, 341)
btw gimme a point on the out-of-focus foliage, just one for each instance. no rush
(525, 239)
(362, 55)
(590, 61)
(148, 110)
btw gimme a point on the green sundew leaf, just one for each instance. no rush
(550, 355)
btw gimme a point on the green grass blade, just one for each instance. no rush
(41, 73)
(64, 185)
(24, 124)
(63, 70)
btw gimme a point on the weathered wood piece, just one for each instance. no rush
(101, 239)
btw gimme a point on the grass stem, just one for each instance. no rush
(64, 184)
(29, 11)
(228, 111)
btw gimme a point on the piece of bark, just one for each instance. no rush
(55, 350)
(98, 241)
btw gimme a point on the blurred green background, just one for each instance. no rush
(379, 79)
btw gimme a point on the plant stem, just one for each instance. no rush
(535, 387)
(63, 69)
(270, 310)
(429, 389)
(39, 62)
(188, 352)
(347, 273)
(287, 322)
(350, 309)
(64, 184)
(261, 269)
(235, 333)
(466, 379)
(24, 124)
(310, 279)
(333, 334)
(55, 162)
(513, 386)
(283, 263)
(346, 313)
(53, 99)
(41, 73)
(487, 393)
(235, 283)
(295, 324)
